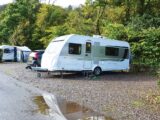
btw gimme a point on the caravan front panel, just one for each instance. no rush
(51, 55)
(71, 57)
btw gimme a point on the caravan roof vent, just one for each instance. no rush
(98, 36)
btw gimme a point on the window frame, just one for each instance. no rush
(126, 53)
(88, 50)
(75, 53)
(116, 53)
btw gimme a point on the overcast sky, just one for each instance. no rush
(63, 3)
(5, 1)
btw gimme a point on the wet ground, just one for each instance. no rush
(16, 101)
(70, 110)
(21, 102)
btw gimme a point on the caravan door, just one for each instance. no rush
(88, 56)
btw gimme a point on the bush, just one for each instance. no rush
(150, 45)
(145, 47)
(115, 31)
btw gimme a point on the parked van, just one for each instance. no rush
(15, 53)
(85, 53)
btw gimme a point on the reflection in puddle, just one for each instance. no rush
(68, 107)
(43, 108)
(71, 110)
(74, 111)
(96, 118)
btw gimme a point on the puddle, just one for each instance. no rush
(71, 110)
(43, 108)
(74, 111)
(68, 107)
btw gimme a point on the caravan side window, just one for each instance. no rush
(111, 51)
(75, 48)
(126, 54)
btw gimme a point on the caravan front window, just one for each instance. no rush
(74, 48)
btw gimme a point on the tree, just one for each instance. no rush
(49, 17)
(35, 25)
(19, 15)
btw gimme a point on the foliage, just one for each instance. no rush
(49, 24)
(150, 43)
(17, 23)
(115, 31)
(51, 33)
(35, 24)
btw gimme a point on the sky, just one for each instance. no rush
(63, 3)
(5, 1)
(66, 3)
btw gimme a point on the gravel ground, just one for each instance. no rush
(116, 95)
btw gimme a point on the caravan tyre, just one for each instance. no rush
(97, 71)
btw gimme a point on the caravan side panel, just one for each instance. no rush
(110, 55)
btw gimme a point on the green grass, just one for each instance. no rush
(138, 103)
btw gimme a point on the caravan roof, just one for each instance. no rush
(6, 46)
(24, 48)
(82, 39)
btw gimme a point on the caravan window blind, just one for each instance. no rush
(111, 51)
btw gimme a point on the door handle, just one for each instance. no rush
(86, 54)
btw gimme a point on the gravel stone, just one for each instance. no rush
(111, 94)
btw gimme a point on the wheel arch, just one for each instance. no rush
(96, 67)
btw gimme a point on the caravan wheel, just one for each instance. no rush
(97, 71)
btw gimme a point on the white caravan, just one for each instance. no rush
(85, 53)
(23, 53)
(15, 53)
(8, 52)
